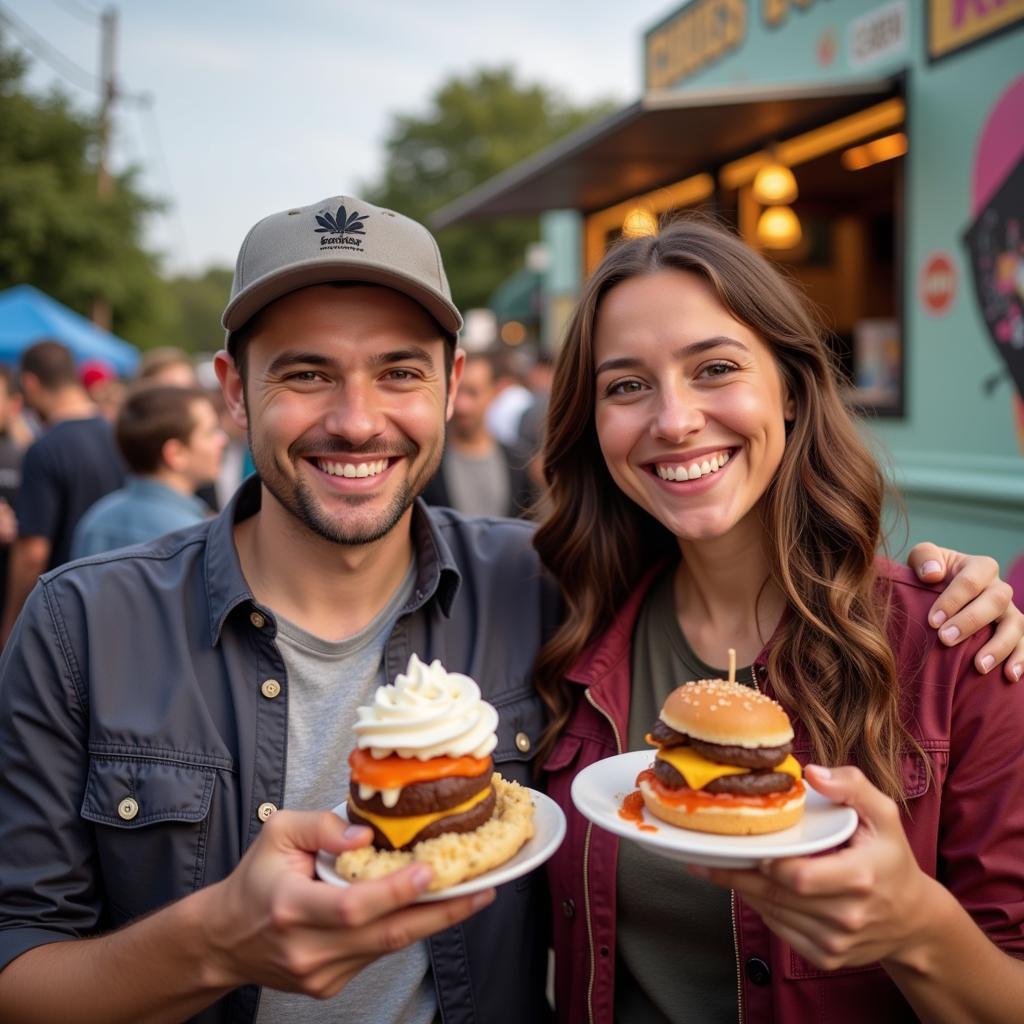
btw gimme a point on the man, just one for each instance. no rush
(171, 440)
(65, 471)
(157, 707)
(12, 451)
(478, 476)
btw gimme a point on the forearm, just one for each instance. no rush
(28, 560)
(957, 974)
(156, 969)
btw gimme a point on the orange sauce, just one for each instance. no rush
(394, 772)
(694, 799)
(632, 810)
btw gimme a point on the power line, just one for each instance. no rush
(59, 62)
(80, 11)
(155, 145)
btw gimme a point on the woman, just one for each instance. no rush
(709, 490)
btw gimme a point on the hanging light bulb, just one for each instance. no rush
(639, 222)
(779, 228)
(774, 183)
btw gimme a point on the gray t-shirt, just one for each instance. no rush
(326, 682)
(478, 484)
(676, 961)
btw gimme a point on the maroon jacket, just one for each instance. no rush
(966, 829)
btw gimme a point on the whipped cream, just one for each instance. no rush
(426, 713)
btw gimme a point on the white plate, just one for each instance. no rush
(549, 831)
(598, 790)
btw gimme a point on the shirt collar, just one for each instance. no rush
(437, 572)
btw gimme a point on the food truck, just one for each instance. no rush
(876, 151)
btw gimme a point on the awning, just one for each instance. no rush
(28, 315)
(518, 297)
(660, 139)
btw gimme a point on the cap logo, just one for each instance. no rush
(338, 230)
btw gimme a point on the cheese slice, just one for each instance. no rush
(699, 771)
(400, 830)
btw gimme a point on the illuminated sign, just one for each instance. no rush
(692, 38)
(955, 24)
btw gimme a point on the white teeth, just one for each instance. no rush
(350, 470)
(677, 471)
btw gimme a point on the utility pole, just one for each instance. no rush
(101, 313)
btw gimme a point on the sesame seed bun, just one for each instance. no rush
(717, 711)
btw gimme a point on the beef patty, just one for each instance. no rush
(755, 783)
(467, 821)
(743, 757)
(426, 797)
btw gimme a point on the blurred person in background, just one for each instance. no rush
(103, 386)
(66, 471)
(530, 439)
(172, 441)
(478, 475)
(12, 450)
(167, 365)
(173, 367)
(511, 396)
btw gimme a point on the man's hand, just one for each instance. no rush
(975, 597)
(270, 922)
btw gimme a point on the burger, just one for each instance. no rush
(422, 779)
(724, 762)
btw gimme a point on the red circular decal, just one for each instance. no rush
(938, 284)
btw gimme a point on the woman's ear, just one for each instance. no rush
(789, 409)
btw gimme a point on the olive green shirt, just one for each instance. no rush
(676, 959)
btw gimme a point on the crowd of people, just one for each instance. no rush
(175, 718)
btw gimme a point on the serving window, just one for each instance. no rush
(845, 251)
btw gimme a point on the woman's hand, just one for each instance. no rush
(974, 597)
(869, 902)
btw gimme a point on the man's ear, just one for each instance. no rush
(172, 454)
(458, 363)
(231, 387)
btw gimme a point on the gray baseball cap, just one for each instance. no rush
(338, 239)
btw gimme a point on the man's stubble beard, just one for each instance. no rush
(296, 497)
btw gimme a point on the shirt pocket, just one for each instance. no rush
(521, 722)
(151, 821)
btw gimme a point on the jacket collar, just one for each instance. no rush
(437, 573)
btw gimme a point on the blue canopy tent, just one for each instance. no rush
(28, 315)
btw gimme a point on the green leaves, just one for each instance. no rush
(476, 126)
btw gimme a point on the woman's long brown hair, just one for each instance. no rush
(830, 661)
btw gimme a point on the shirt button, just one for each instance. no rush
(265, 810)
(522, 742)
(270, 688)
(758, 971)
(569, 908)
(127, 809)
(258, 620)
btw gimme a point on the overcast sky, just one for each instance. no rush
(264, 104)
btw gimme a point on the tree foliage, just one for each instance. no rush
(55, 233)
(475, 127)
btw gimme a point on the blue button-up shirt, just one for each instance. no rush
(141, 510)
